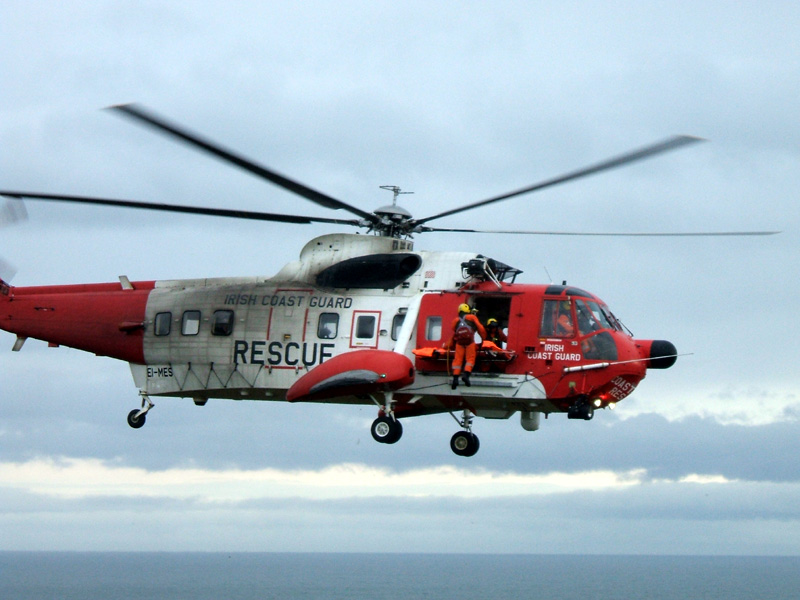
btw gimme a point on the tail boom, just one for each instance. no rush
(106, 319)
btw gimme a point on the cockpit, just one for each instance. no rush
(579, 316)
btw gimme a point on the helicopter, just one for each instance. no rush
(357, 319)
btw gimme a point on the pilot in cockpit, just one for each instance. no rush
(564, 326)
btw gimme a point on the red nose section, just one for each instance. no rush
(352, 374)
(661, 354)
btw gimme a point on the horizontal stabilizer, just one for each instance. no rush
(354, 373)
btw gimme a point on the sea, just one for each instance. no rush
(200, 576)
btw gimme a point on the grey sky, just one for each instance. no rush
(456, 102)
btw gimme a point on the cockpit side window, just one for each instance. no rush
(557, 319)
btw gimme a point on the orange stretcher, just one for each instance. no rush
(489, 354)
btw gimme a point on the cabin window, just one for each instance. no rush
(433, 328)
(365, 327)
(557, 319)
(328, 326)
(190, 324)
(163, 323)
(397, 323)
(222, 323)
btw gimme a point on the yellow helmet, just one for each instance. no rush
(464, 308)
(491, 322)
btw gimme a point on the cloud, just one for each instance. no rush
(740, 403)
(86, 478)
(358, 508)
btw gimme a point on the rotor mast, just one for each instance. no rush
(393, 218)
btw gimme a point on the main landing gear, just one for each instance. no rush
(386, 429)
(464, 443)
(136, 418)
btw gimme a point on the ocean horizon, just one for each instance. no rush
(250, 575)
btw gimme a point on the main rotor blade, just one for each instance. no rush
(624, 159)
(194, 210)
(12, 212)
(7, 271)
(610, 234)
(138, 113)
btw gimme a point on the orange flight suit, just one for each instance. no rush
(565, 327)
(496, 336)
(466, 350)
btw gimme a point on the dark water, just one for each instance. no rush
(200, 576)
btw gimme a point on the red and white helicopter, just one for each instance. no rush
(358, 319)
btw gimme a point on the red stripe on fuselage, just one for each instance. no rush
(102, 318)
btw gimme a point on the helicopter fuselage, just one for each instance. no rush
(266, 338)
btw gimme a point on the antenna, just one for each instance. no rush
(397, 191)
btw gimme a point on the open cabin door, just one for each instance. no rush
(434, 330)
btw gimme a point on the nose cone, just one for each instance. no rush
(663, 355)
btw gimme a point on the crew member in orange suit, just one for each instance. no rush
(564, 326)
(495, 334)
(464, 327)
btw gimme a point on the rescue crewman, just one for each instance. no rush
(464, 327)
(494, 334)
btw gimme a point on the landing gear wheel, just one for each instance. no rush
(464, 443)
(136, 421)
(386, 430)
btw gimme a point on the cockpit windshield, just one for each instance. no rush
(592, 317)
